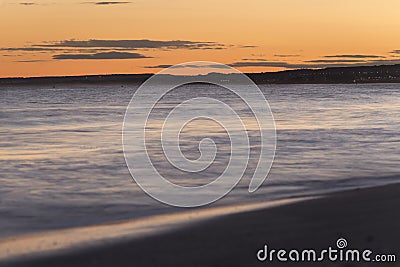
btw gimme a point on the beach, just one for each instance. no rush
(365, 218)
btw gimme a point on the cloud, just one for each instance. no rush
(162, 66)
(193, 66)
(281, 64)
(31, 61)
(335, 61)
(236, 64)
(105, 3)
(104, 55)
(253, 59)
(258, 55)
(286, 55)
(27, 3)
(395, 51)
(353, 56)
(260, 64)
(109, 49)
(276, 64)
(211, 66)
(28, 49)
(133, 44)
(248, 46)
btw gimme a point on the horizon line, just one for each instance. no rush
(120, 74)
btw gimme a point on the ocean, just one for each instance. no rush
(62, 162)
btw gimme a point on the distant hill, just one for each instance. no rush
(366, 74)
(89, 79)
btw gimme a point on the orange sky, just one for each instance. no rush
(253, 35)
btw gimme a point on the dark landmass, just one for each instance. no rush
(365, 74)
(89, 79)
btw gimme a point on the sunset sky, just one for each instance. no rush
(48, 37)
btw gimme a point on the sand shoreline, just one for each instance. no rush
(39, 244)
(366, 218)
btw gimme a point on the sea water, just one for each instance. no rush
(62, 163)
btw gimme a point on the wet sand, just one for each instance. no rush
(366, 218)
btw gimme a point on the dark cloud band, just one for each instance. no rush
(105, 55)
(335, 61)
(281, 64)
(133, 44)
(353, 56)
(111, 3)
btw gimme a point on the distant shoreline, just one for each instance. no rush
(338, 75)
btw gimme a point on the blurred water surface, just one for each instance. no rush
(62, 163)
